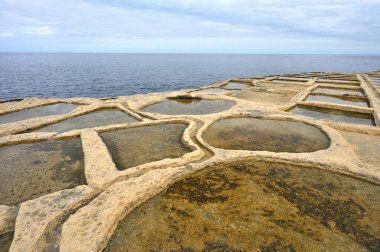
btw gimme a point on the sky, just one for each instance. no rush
(191, 26)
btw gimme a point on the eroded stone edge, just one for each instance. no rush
(38, 217)
(338, 157)
(100, 169)
(90, 228)
(241, 109)
(20, 126)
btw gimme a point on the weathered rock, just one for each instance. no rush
(100, 169)
(90, 228)
(39, 221)
(38, 217)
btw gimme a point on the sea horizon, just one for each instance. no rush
(187, 53)
(65, 75)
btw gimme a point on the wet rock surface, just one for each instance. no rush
(7, 218)
(252, 205)
(5, 241)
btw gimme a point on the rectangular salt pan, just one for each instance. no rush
(338, 100)
(31, 170)
(136, 146)
(334, 115)
(236, 85)
(48, 110)
(338, 91)
(90, 120)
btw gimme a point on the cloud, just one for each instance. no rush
(6, 34)
(147, 25)
(39, 30)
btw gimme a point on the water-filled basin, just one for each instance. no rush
(135, 146)
(31, 170)
(48, 110)
(97, 118)
(188, 106)
(265, 135)
(256, 206)
(333, 115)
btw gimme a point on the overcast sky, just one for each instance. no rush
(191, 26)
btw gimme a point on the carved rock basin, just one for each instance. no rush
(96, 118)
(31, 170)
(48, 110)
(333, 115)
(265, 135)
(256, 206)
(188, 106)
(137, 146)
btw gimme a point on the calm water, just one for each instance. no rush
(102, 75)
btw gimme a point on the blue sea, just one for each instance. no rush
(103, 75)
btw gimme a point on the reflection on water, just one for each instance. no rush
(263, 96)
(265, 135)
(97, 118)
(117, 74)
(188, 107)
(256, 206)
(280, 86)
(236, 85)
(48, 110)
(338, 100)
(375, 80)
(136, 146)
(212, 91)
(338, 91)
(333, 115)
(337, 83)
(28, 171)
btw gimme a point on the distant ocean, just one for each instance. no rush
(104, 75)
